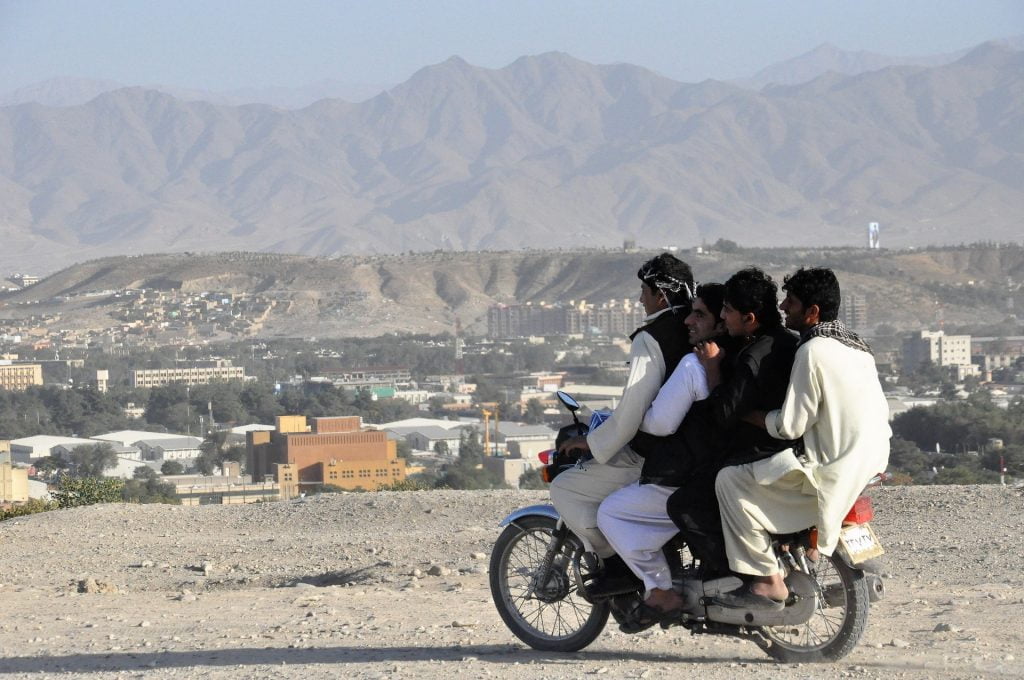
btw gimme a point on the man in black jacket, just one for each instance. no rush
(745, 376)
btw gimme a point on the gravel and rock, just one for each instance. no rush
(394, 585)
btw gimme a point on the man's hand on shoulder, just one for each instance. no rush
(710, 354)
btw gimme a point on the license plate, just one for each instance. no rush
(860, 543)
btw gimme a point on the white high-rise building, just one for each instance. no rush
(938, 348)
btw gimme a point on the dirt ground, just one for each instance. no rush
(394, 585)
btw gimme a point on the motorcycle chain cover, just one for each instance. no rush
(799, 608)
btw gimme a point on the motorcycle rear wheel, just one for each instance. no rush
(836, 625)
(551, 616)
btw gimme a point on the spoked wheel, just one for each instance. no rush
(837, 623)
(547, 613)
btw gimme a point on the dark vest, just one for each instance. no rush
(671, 335)
(673, 339)
(673, 459)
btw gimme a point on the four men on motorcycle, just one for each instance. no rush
(779, 445)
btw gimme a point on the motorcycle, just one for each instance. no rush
(540, 572)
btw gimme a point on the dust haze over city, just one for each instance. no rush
(287, 292)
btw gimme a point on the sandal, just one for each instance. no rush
(643, 616)
(744, 598)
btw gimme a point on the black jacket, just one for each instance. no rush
(757, 380)
(669, 460)
(760, 377)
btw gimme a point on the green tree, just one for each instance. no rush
(1012, 457)
(144, 473)
(169, 406)
(260, 403)
(172, 467)
(49, 465)
(216, 452)
(30, 507)
(149, 490)
(534, 412)
(468, 471)
(906, 457)
(75, 491)
(531, 479)
(91, 460)
(724, 245)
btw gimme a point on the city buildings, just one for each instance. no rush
(937, 348)
(222, 490)
(183, 449)
(30, 449)
(335, 451)
(13, 484)
(19, 376)
(200, 373)
(618, 317)
(23, 280)
(853, 311)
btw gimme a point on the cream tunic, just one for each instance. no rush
(577, 493)
(835, 402)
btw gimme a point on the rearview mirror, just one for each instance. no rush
(567, 399)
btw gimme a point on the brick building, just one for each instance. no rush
(336, 451)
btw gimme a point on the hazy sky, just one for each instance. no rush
(228, 44)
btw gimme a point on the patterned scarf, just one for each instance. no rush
(836, 330)
(659, 279)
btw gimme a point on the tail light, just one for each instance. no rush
(861, 513)
(546, 456)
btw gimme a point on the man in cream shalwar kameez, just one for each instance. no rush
(835, 403)
(657, 346)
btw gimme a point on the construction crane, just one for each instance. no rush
(487, 430)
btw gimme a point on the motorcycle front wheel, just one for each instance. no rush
(547, 614)
(837, 623)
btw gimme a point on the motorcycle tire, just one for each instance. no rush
(836, 626)
(551, 616)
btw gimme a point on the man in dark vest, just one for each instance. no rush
(666, 292)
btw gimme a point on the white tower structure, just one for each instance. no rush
(873, 236)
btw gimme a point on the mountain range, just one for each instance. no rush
(827, 58)
(69, 91)
(547, 152)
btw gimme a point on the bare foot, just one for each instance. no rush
(664, 600)
(770, 586)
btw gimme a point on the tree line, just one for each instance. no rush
(959, 442)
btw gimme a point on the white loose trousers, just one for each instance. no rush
(577, 493)
(754, 505)
(635, 522)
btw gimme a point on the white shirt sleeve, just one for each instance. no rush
(687, 384)
(646, 372)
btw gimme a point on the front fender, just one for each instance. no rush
(544, 510)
